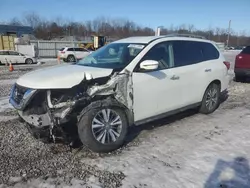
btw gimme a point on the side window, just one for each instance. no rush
(3, 53)
(70, 49)
(78, 49)
(82, 50)
(209, 51)
(161, 53)
(186, 53)
(13, 53)
(246, 50)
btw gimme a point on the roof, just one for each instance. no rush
(148, 39)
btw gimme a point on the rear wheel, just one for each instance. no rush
(210, 101)
(71, 58)
(103, 129)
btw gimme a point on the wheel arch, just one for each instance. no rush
(217, 82)
(108, 102)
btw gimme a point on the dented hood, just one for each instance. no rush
(61, 76)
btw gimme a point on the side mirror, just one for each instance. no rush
(149, 65)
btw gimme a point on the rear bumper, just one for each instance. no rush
(242, 72)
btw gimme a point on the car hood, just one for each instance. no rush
(61, 76)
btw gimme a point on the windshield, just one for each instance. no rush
(113, 56)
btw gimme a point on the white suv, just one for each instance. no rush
(127, 82)
(72, 54)
(10, 56)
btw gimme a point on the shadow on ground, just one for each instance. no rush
(230, 174)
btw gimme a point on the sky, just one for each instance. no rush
(203, 14)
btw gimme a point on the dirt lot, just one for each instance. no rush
(187, 150)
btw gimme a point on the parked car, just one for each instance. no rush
(242, 64)
(128, 82)
(73, 54)
(10, 56)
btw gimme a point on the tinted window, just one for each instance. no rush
(186, 53)
(71, 49)
(4, 53)
(61, 49)
(13, 53)
(209, 51)
(82, 50)
(246, 50)
(160, 52)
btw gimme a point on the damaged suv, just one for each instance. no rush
(128, 82)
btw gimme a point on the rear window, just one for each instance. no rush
(209, 51)
(61, 49)
(246, 50)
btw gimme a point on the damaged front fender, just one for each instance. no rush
(120, 86)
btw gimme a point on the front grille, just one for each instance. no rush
(18, 93)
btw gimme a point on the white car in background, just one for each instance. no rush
(72, 54)
(10, 56)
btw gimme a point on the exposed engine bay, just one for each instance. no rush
(51, 108)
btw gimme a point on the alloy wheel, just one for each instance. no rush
(106, 126)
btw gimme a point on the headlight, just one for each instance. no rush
(29, 93)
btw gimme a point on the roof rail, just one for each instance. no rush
(185, 35)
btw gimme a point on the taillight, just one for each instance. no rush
(62, 52)
(227, 64)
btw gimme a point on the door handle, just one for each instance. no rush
(208, 70)
(175, 77)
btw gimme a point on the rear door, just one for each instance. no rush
(83, 53)
(16, 57)
(188, 60)
(243, 59)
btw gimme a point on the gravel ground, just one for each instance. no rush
(187, 150)
(24, 158)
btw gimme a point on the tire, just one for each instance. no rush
(211, 96)
(96, 142)
(29, 61)
(71, 58)
(240, 78)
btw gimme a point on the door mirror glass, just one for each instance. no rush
(149, 65)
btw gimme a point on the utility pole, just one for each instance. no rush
(228, 35)
(158, 31)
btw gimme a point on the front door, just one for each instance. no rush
(158, 91)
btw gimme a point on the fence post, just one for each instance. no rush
(55, 49)
(38, 51)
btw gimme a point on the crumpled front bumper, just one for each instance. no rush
(20, 100)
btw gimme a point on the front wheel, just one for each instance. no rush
(210, 101)
(103, 129)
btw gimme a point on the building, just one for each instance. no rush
(17, 31)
